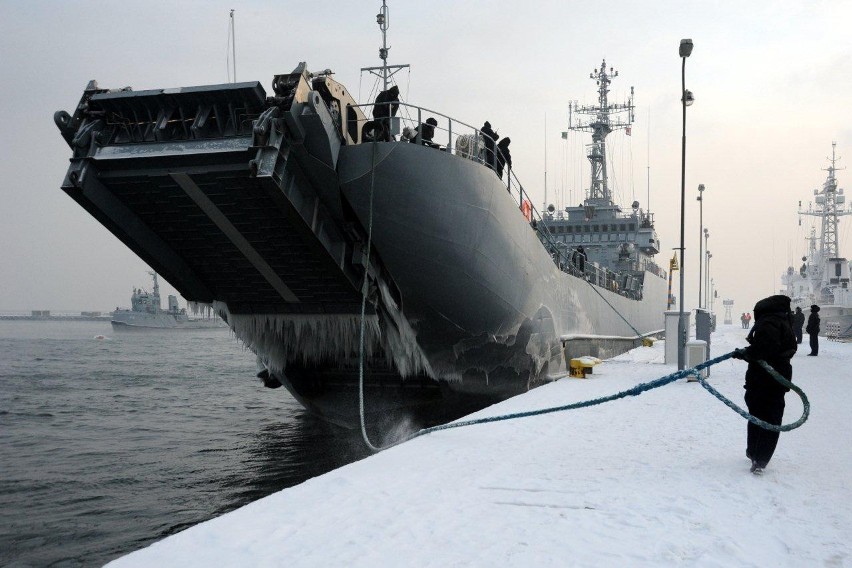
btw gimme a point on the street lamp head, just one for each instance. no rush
(688, 98)
(700, 187)
(685, 47)
(706, 232)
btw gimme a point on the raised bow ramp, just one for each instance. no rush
(203, 186)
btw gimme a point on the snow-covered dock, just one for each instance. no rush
(655, 480)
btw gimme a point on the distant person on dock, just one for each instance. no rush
(504, 158)
(490, 139)
(386, 106)
(748, 320)
(813, 330)
(770, 340)
(743, 320)
(798, 324)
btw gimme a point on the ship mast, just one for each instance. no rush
(384, 71)
(156, 296)
(829, 208)
(602, 120)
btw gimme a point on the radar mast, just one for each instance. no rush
(384, 71)
(600, 120)
(829, 208)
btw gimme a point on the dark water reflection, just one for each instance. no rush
(109, 445)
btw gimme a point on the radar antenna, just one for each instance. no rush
(600, 123)
(830, 203)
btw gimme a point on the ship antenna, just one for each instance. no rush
(648, 200)
(384, 71)
(545, 163)
(232, 43)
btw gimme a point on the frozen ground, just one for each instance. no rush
(655, 480)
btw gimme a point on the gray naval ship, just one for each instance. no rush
(824, 277)
(146, 313)
(283, 210)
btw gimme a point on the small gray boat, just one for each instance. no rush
(146, 313)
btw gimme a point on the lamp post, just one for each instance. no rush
(707, 269)
(700, 200)
(709, 298)
(686, 99)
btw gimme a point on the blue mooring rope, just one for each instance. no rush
(639, 389)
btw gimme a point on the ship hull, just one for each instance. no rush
(134, 321)
(490, 313)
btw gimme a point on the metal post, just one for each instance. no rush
(706, 268)
(684, 51)
(700, 235)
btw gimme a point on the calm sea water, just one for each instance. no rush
(107, 445)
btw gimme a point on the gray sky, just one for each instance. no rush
(771, 82)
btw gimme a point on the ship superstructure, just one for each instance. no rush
(824, 277)
(620, 246)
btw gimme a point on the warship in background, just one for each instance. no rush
(823, 278)
(145, 313)
(284, 211)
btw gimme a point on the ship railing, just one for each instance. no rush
(450, 135)
(466, 141)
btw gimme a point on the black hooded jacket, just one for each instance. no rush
(503, 155)
(383, 110)
(771, 340)
(798, 319)
(489, 139)
(813, 322)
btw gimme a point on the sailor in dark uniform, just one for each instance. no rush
(503, 156)
(490, 138)
(386, 106)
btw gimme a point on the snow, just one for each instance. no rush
(655, 480)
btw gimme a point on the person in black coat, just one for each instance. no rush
(813, 330)
(503, 156)
(771, 340)
(490, 139)
(579, 258)
(386, 106)
(425, 133)
(798, 324)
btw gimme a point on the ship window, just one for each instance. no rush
(837, 269)
(596, 228)
(586, 228)
(569, 228)
(623, 227)
(613, 228)
(632, 226)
